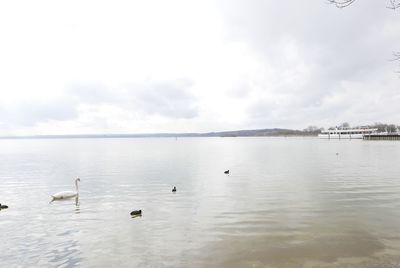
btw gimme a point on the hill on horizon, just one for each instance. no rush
(234, 133)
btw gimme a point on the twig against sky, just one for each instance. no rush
(341, 3)
(393, 4)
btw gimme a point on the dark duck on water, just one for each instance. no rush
(136, 213)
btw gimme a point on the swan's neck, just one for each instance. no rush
(76, 186)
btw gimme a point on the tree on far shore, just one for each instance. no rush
(385, 127)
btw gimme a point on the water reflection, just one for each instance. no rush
(77, 204)
(293, 248)
(288, 203)
(66, 252)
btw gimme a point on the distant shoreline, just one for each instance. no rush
(275, 132)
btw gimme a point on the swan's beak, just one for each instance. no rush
(78, 179)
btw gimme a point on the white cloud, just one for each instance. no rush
(176, 66)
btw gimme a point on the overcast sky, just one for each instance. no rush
(70, 67)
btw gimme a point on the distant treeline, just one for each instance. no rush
(382, 127)
(235, 133)
(261, 132)
(267, 132)
(386, 127)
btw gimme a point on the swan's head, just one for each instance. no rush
(77, 179)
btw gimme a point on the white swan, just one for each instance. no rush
(67, 194)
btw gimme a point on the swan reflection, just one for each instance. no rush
(77, 203)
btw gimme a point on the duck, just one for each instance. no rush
(136, 213)
(3, 206)
(66, 194)
(174, 189)
(226, 171)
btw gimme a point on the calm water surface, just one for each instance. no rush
(288, 202)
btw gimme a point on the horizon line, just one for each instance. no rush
(149, 134)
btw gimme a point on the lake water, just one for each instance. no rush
(288, 202)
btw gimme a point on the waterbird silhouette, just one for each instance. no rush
(136, 213)
(226, 171)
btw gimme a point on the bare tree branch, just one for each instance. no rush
(396, 56)
(341, 3)
(393, 4)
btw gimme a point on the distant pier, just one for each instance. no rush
(377, 137)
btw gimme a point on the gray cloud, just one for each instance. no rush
(271, 64)
(336, 46)
(168, 99)
(91, 92)
(29, 113)
(171, 99)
